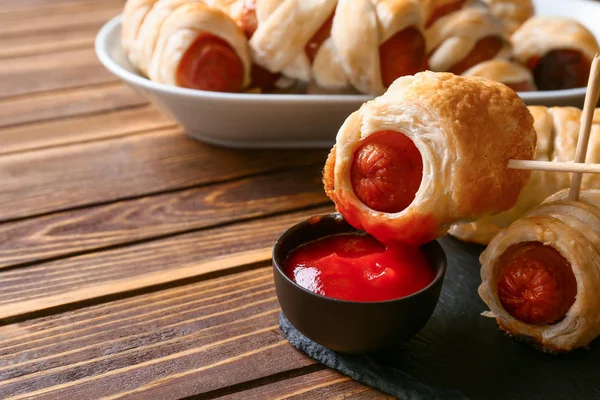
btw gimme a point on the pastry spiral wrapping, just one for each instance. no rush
(465, 38)
(557, 131)
(512, 13)
(186, 43)
(572, 229)
(558, 50)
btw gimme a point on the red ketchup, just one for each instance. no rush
(357, 267)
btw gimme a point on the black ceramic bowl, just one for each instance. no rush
(349, 326)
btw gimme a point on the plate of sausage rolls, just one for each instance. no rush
(234, 72)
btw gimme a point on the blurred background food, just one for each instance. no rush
(358, 46)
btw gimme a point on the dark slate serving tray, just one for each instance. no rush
(461, 354)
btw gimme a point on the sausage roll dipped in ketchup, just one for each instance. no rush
(464, 38)
(559, 51)
(431, 151)
(365, 44)
(557, 131)
(186, 43)
(540, 276)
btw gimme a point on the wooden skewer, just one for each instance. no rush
(579, 166)
(554, 166)
(591, 99)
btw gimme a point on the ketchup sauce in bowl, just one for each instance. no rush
(346, 291)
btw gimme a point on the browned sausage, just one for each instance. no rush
(443, 10)
(560, 69)
(314, 44)
(402, 54)
(210, 63)
(536, 284)
(387, 170)
(485, 49)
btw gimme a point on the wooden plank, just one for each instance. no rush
(82, 128)
(100, 274)
(44, 72)
(217, 333)
(27, 44)
(325, 384)
(68, 103)
(32, 6)
(84, 174)
(57, 17)
(123, 222)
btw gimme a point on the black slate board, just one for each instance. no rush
(460, 354)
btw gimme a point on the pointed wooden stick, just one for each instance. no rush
(579, 166)
(554, 166)
(591, 99)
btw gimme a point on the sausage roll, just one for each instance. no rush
(330, 47)
(134, 14)
(465, 38)
(513, 75)
(387, 44)
(512, 13)
(428, 153)
(559, 51)
(186, 43)
(201, 47)
(540, 276)
(557, 132)
(434, 10)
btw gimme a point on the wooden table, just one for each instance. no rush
(135, 261)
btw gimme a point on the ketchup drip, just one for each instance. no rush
(359, 268)
(536, 284)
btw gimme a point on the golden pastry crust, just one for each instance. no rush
(284, 29)
(430, 6)
(502, 71)
(349, 57)
(466, 129)
(512, 13)
(156, 34)
(179, 31)
(573, 229)
(451, 38)
(141, 54)
(542, 34)
(557, 131)
(360, 57)
(134, 14)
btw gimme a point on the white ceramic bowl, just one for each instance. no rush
(289, 120)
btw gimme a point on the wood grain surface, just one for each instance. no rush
(193, 339)
(60, 178)
(77, 129)
(119, 223)
(51, 71)
(68, 103)
(135, 261)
